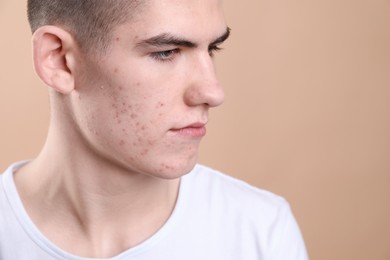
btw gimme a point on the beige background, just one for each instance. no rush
(307, 113)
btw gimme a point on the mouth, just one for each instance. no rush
(196, 130)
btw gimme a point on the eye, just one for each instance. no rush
(213, 50)
(167, 55)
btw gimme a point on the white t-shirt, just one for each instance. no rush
(216, 218)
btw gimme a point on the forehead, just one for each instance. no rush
(195, 18)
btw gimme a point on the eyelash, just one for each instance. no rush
(164, 56)
(168, 55)
(213, 50)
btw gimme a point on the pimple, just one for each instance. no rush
(145, 152)
(116, 70)
(117, 39)
(122, 143)
(133, 116)
(167, 167)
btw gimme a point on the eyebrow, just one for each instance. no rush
(166, 39)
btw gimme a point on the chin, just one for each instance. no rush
(174, 170)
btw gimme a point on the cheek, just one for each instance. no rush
(137, 121)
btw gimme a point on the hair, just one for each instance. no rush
(89, 21)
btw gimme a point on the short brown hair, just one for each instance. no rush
(89, 21)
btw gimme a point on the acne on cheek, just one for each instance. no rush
(134, 116)
(121, 108)
(144, 152)
(126, 113)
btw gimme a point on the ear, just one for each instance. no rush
(54, 57)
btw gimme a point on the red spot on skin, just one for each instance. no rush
(117, 39)
(167, 167)
(133, 116)
(119, 121)
(145, 152)
(143, 128)
(122, 143)
(116, 70)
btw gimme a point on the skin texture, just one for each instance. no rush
(119, 137)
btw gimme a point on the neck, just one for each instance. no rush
(94, 197)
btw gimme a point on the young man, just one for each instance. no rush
(131, 84)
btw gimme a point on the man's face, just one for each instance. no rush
(145, 104)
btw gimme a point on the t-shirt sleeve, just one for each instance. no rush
(287, 242)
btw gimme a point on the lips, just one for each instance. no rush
(196, 130)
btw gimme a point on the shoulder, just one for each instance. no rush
(247, 218)
(237, 195)
(9, 196)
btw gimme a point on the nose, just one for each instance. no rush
(204, 88)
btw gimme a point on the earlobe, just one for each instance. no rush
(53, 55)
